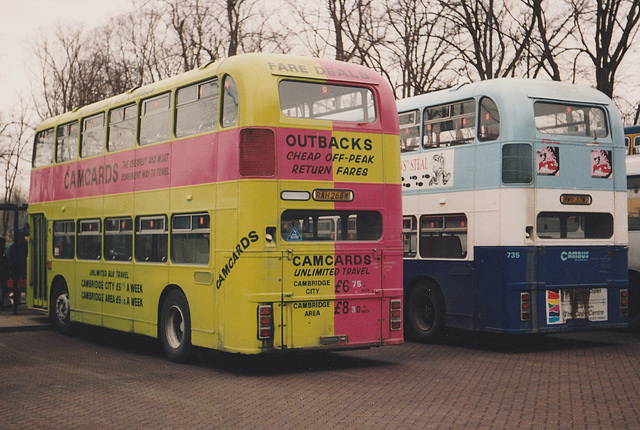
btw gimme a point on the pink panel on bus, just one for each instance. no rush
(364, 273)
(180, 163)
(304, 154)
(193, 161)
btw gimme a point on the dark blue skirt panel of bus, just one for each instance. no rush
(568, 288)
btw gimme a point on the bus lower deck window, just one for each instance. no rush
(330, 226)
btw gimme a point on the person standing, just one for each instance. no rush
(17, 259)
(4, 271)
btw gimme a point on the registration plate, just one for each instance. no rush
(333, 195)
(575, 199)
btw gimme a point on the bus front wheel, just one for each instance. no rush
(61, 312)
(424, 312)
(175, 327)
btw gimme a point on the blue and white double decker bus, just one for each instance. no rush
(515, 209)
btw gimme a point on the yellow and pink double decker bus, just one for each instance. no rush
(251, 205)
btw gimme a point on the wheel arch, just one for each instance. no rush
(54, 282)
(163, 296)
(426, 279)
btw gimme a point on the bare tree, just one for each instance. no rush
(605, 31)
(199, 38)
(486, 36)
(15, 139)
(549, 44)
(417, 47)
(59, 63)
(344, 29)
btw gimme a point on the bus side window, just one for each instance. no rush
(452, 124)
(443, 236)
(517, 163)
(229, 102)
(122, 128)
(627, 142)
(190, 239)
(43, 148)
(92, 136)
(89, 239)
(155, 119)
(151, 239)
(197, 108)
(64, 239)
(118, 239)
(409, 131)
(410, 236)
(636, 145)
(67, 142)
(489, 120)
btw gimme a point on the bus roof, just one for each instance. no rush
(245, 64)
(632, 129)
(509, 89)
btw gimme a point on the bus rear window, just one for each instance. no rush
(309, 100)
(330, 226)
(573, 225)
(570, 120)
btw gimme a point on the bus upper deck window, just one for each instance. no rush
(122, 128)
(67, 142)
(409, 131)
(43, 148)
(450, 124)
(155, 120)
(230, 102)
(489, 120)
(197, 108)
(92, 136)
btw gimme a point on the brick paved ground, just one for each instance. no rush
(99, 379)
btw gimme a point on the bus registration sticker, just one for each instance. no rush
(332, 195)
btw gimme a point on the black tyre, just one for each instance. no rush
(61, 308)
(424, 318)
(175, 327)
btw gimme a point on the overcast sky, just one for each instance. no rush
(21, 21)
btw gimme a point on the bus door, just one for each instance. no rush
(37, 293)
(332, 298)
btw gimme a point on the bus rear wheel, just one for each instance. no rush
(61, 311)
(424, 313)
(175, 327)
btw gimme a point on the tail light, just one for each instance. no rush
(265, 322)
(395, 320)
(624, 302)
(525, 306)
(257, 152)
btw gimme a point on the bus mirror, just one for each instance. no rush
(270, 234)
(529, 232)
